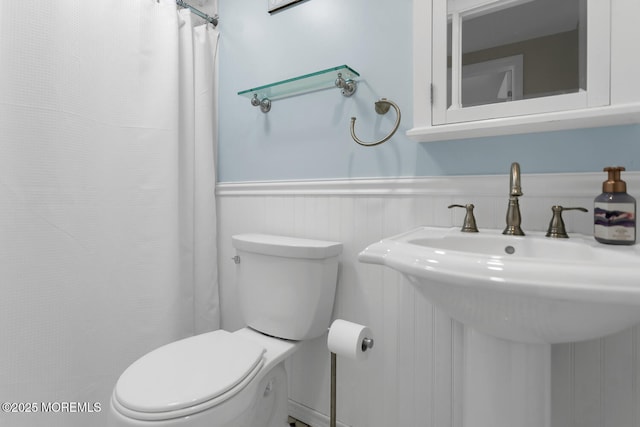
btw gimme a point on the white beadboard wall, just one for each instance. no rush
(412, 376)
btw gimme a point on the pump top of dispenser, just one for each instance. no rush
(614, 184)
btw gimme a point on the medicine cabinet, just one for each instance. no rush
(495, 67)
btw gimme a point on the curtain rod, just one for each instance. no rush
(211, 19)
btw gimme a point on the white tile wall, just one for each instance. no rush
(410, 377)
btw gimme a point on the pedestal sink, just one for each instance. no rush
(516, 295)
(531, 289)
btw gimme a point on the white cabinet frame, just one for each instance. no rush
(594, 107)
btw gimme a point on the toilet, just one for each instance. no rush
(286, 287)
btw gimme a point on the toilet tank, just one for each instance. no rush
(286, 285)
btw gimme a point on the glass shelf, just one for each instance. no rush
(302, 84)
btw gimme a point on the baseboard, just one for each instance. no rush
(310, 416)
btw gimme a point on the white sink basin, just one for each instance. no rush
(531, 289)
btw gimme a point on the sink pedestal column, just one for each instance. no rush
(505, 383)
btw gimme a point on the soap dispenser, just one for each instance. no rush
(614, 211)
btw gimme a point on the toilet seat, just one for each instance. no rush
(212, 368)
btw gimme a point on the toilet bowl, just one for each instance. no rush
(286, 288)
(222, 376)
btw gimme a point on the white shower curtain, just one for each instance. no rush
(107, 209)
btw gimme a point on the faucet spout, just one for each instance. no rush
(514, 180)
(513, 210)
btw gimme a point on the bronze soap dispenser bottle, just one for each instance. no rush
(614, 211)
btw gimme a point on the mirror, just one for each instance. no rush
(509, 50)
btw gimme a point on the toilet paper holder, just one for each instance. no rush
(367, 344)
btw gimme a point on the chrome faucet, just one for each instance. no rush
(513, 210)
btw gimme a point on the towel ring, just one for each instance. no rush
(382, 107)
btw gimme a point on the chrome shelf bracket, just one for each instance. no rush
(348, 86)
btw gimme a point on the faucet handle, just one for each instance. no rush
(556, 226)
(469, 225)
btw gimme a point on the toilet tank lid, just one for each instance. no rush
(290, 247)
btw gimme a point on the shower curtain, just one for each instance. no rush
(107, 208)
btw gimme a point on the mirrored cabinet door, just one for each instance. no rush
(504, 58)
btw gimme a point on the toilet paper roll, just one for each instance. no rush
(346, 338)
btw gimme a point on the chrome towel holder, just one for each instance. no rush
(382, 107)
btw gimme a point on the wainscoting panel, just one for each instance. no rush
(411, 377)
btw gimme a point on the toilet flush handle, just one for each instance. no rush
(236, 259)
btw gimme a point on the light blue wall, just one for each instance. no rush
(307, 136)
